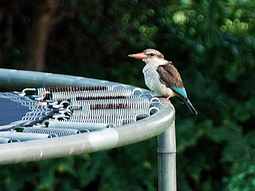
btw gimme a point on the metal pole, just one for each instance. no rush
(167, 160)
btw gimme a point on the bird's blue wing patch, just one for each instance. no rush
(180, 90)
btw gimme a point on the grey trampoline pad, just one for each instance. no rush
(11, 111)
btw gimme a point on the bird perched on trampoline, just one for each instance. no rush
(162, 77)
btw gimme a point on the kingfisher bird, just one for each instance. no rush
(162, 77)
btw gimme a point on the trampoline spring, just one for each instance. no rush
(76, 93)
(51, 131)
(114, 113)
(131, 102)
(116, 106)
(76, 125)
(134, 103)
(60, 93)
(112, 110)
(98, 117)
(76, 88)
(101, 97)
(89, 93)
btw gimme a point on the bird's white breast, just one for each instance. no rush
(152, 81)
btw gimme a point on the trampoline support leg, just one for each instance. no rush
(167, 160)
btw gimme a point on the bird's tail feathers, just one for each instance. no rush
(190, 106)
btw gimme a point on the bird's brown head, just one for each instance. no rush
(147, 54)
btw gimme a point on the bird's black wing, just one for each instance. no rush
(170, 76)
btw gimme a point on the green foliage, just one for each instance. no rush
(213, 45)
(243, 180)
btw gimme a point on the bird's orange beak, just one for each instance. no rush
(138, 56)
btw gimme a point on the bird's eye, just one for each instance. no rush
(151, 54)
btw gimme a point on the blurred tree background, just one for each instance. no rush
(213, 45)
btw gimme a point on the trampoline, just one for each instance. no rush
(55, 115)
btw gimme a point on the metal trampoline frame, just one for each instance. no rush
(161, 124)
